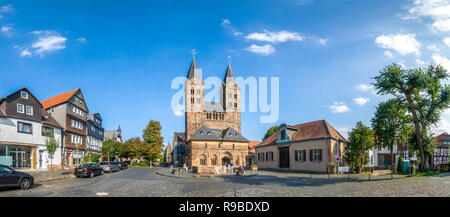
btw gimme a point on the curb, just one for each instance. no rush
(216, 176)
(56, 178)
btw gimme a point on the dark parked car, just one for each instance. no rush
(87, 170)
(10, 177)
(122, 165)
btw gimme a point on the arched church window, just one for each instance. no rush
(203, 160)
(214, 160)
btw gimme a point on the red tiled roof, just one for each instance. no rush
(438, 138)
(311, 130)
(251, 146)
(56, 100)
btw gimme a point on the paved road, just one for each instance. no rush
(142, 182)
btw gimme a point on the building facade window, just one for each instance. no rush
(203, 160)
(29, 110)
(47, 131)
(260, 156)
(20, 108)
(300, 155)
(214, 160)
(23, 95)
(76, 124)
(24, 128)
(315, 155)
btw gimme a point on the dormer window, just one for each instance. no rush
(283, 134)
(24, 95)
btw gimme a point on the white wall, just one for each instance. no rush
(8, 133)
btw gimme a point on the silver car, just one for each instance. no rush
(109, 166)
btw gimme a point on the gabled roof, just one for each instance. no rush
(228, 134)
(59, 99)
(252, 145)
(441, 136)
(29, 92)
(49, 120)
(311, 130)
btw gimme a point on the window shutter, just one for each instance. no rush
(271, 154)
(310, 155)
(320, 154)
(296, 155)
(304, 155)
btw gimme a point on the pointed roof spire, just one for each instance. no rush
(229, 72)
(193, 66)
(120, 130)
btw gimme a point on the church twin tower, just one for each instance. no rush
(218, 115)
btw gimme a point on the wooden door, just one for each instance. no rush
(284, 157)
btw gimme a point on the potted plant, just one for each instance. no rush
(254, 167)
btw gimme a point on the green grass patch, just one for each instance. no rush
(429, 173)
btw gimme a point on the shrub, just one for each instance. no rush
(400, 164)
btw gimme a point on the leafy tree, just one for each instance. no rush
(153, 140)
(135, 147)
(92, 157)
(422, 94)
(270, 132)
(121, 150)
(51, 145)
(361, 139)
(429, 143)
(391, 125)
(109, 148)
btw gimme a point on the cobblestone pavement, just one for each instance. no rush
(142, 182)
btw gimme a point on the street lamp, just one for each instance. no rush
(77, 145)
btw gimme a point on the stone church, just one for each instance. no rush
(212, 137)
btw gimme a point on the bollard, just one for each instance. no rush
(369, 176)
(348, 177)
(310, 180)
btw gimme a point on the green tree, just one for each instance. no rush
(360, 141)
(422, 94)
(153, 140)
(429, 143)
(270, 132)
(109, 148)
(135, 147)
(51, 145)
(391, 125)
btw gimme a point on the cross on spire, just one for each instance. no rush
(193, 54)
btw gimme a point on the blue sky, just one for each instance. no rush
(124, 55)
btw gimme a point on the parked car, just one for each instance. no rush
(87, 170)
(122, 165)
(10, 177)
(109, 166)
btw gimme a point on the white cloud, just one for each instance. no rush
(82, 39)
(419, 62)
(438, 10)
(275, 37)
(443, 61)
(404, 44)
(447, 41)
(237, 33)
(225, 22)
(178, 111)
(443, 126)
(323, 41)
(6, 9)
(48, 41)
(6, 30)
(388, 54)
(344, 131)
(262, 50)
(25, 53)
(433, 48)
(367, 88)
(339, 107)
(361, 100)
